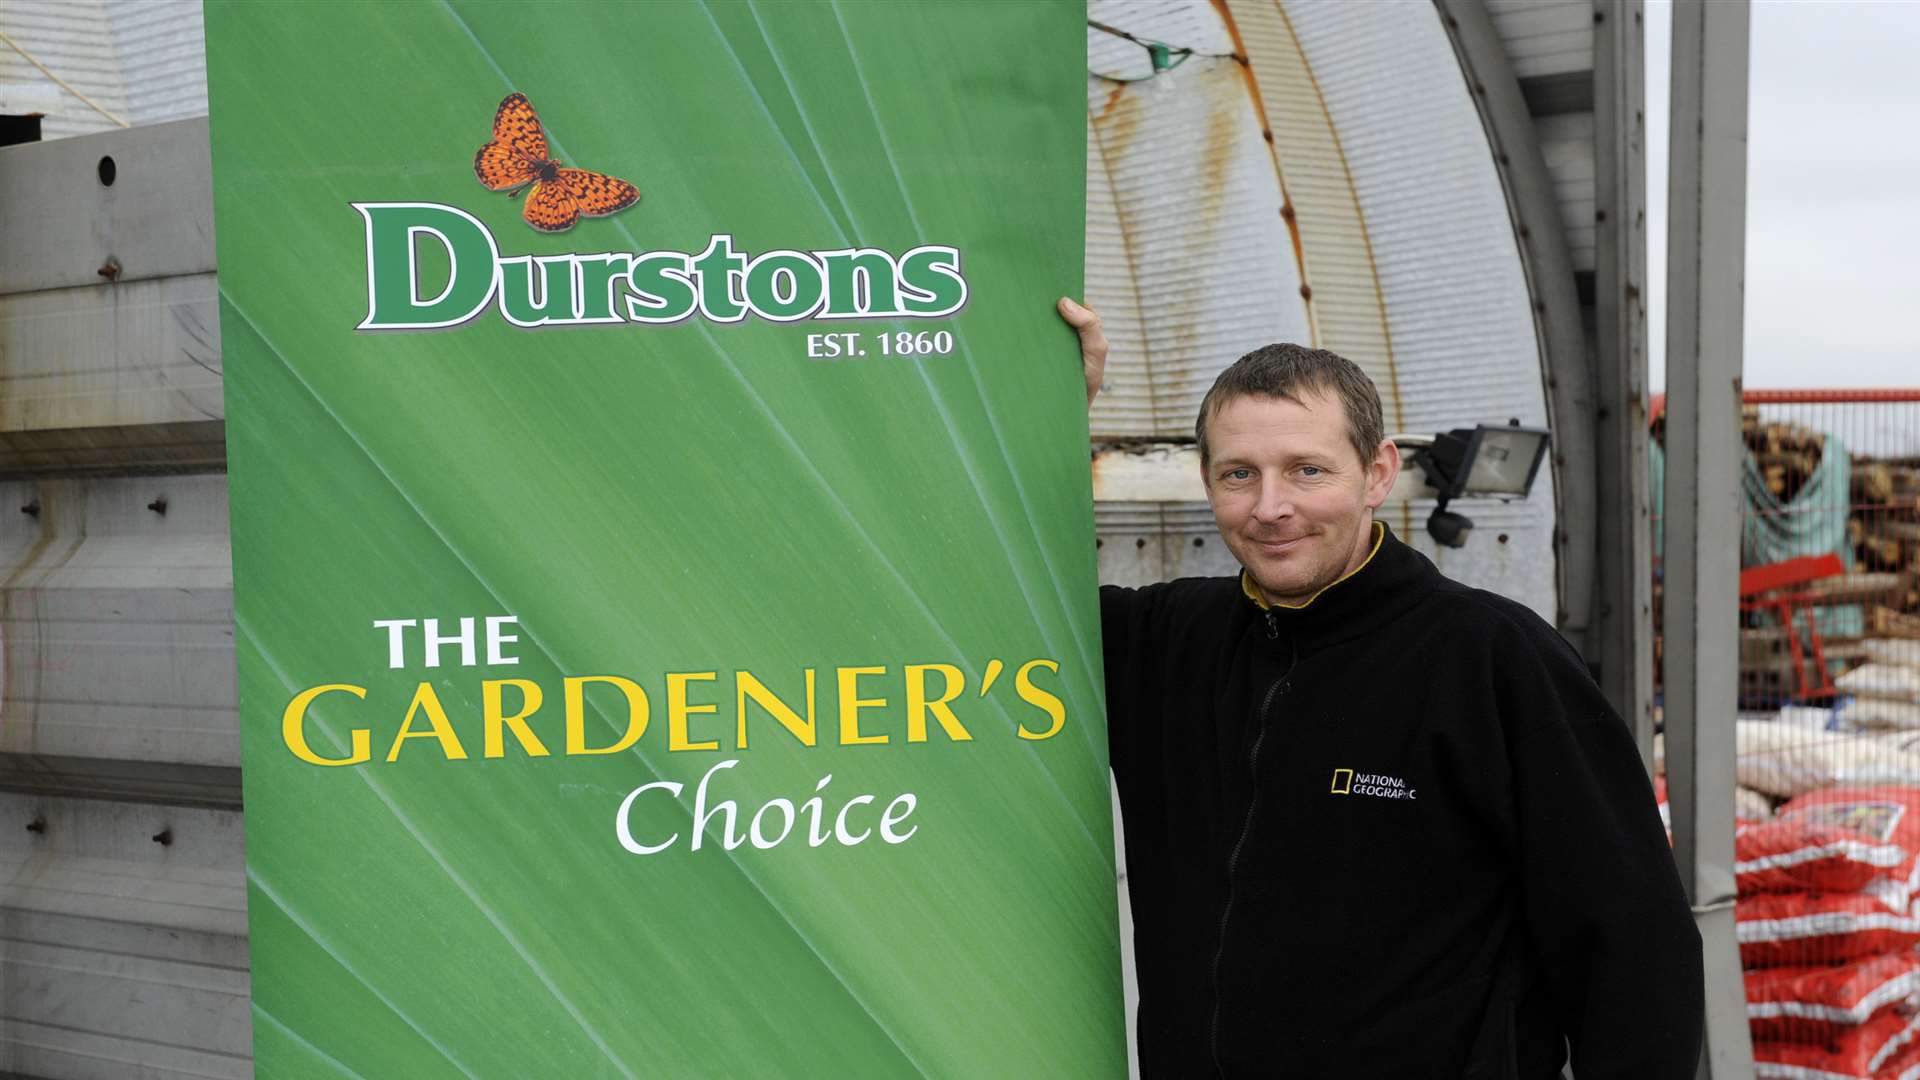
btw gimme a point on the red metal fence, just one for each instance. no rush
(1829, 541)
(1827, 743)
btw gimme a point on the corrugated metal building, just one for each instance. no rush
(1422, 188)
(1335, 190)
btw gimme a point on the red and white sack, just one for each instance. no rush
(1806, 854)
(1817, 1004)
(1904, 1065)
(1804, 929)
(1856, 1054)
(1885, 815)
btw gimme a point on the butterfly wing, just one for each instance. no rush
(551, 208)
(502, 168)
(519, 146)
(597, 194)
(517, 127)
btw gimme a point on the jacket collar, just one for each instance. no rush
(1393, 579)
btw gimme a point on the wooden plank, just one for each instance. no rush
(125, 956)
(185, 447)
(112, 377)
(1884, 622)
(1857, 587)
(60, 223)
(121, 355)
(117, 632)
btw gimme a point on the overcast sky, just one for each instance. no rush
(1833, 192)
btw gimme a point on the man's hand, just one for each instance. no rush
(1093, 343)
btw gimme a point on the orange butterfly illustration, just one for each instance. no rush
(518, 156)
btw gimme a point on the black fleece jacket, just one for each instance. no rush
(1397, 832)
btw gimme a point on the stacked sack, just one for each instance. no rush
(1884, 691)
(1827, 932)
(1784, 760)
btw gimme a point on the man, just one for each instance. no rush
(1378, 824)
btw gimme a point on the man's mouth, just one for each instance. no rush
(1278, 545)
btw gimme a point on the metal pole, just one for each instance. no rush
(1706, 270)
(1622, 640)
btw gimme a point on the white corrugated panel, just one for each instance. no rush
(142, 61)
(1545, 37)
(1566, 142)
(1458, 309)
(1185, 242)
(1141, 543)
(71, 38)
(163, 58)
(1346, 309)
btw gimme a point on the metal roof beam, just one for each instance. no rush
(1561, 92)
(1542, 240)
(1622, 639)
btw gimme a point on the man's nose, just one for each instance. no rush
(1275, 502)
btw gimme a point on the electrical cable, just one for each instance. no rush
(1162, 56)
(62, 83)
(1157, 71)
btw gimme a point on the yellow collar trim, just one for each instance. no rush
(1253, 591)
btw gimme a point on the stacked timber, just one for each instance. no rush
(1883, 526)
(1785, 452)
(1882, 538)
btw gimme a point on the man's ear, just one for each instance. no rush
(1382, 472)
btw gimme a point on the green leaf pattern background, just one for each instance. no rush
(695, 497)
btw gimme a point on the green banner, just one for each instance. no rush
(664, 571)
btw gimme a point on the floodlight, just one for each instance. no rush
(1489, 460)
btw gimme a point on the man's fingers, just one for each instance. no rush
(1093, 341)
(1078, 317)
(1085, 322)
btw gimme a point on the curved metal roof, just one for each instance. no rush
(1371, 222)
(1188, 255)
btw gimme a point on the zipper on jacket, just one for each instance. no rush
(1273, 627)
(1280, 686)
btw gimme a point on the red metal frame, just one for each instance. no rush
(1658, 406)
(1761, 587)
(1758, 580)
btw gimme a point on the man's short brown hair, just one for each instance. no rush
(1285, 370)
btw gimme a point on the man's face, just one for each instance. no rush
(1292, 498)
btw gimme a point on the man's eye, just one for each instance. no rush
(1239, 474)
(1310, 470)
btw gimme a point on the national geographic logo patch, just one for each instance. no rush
(1373, 785)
